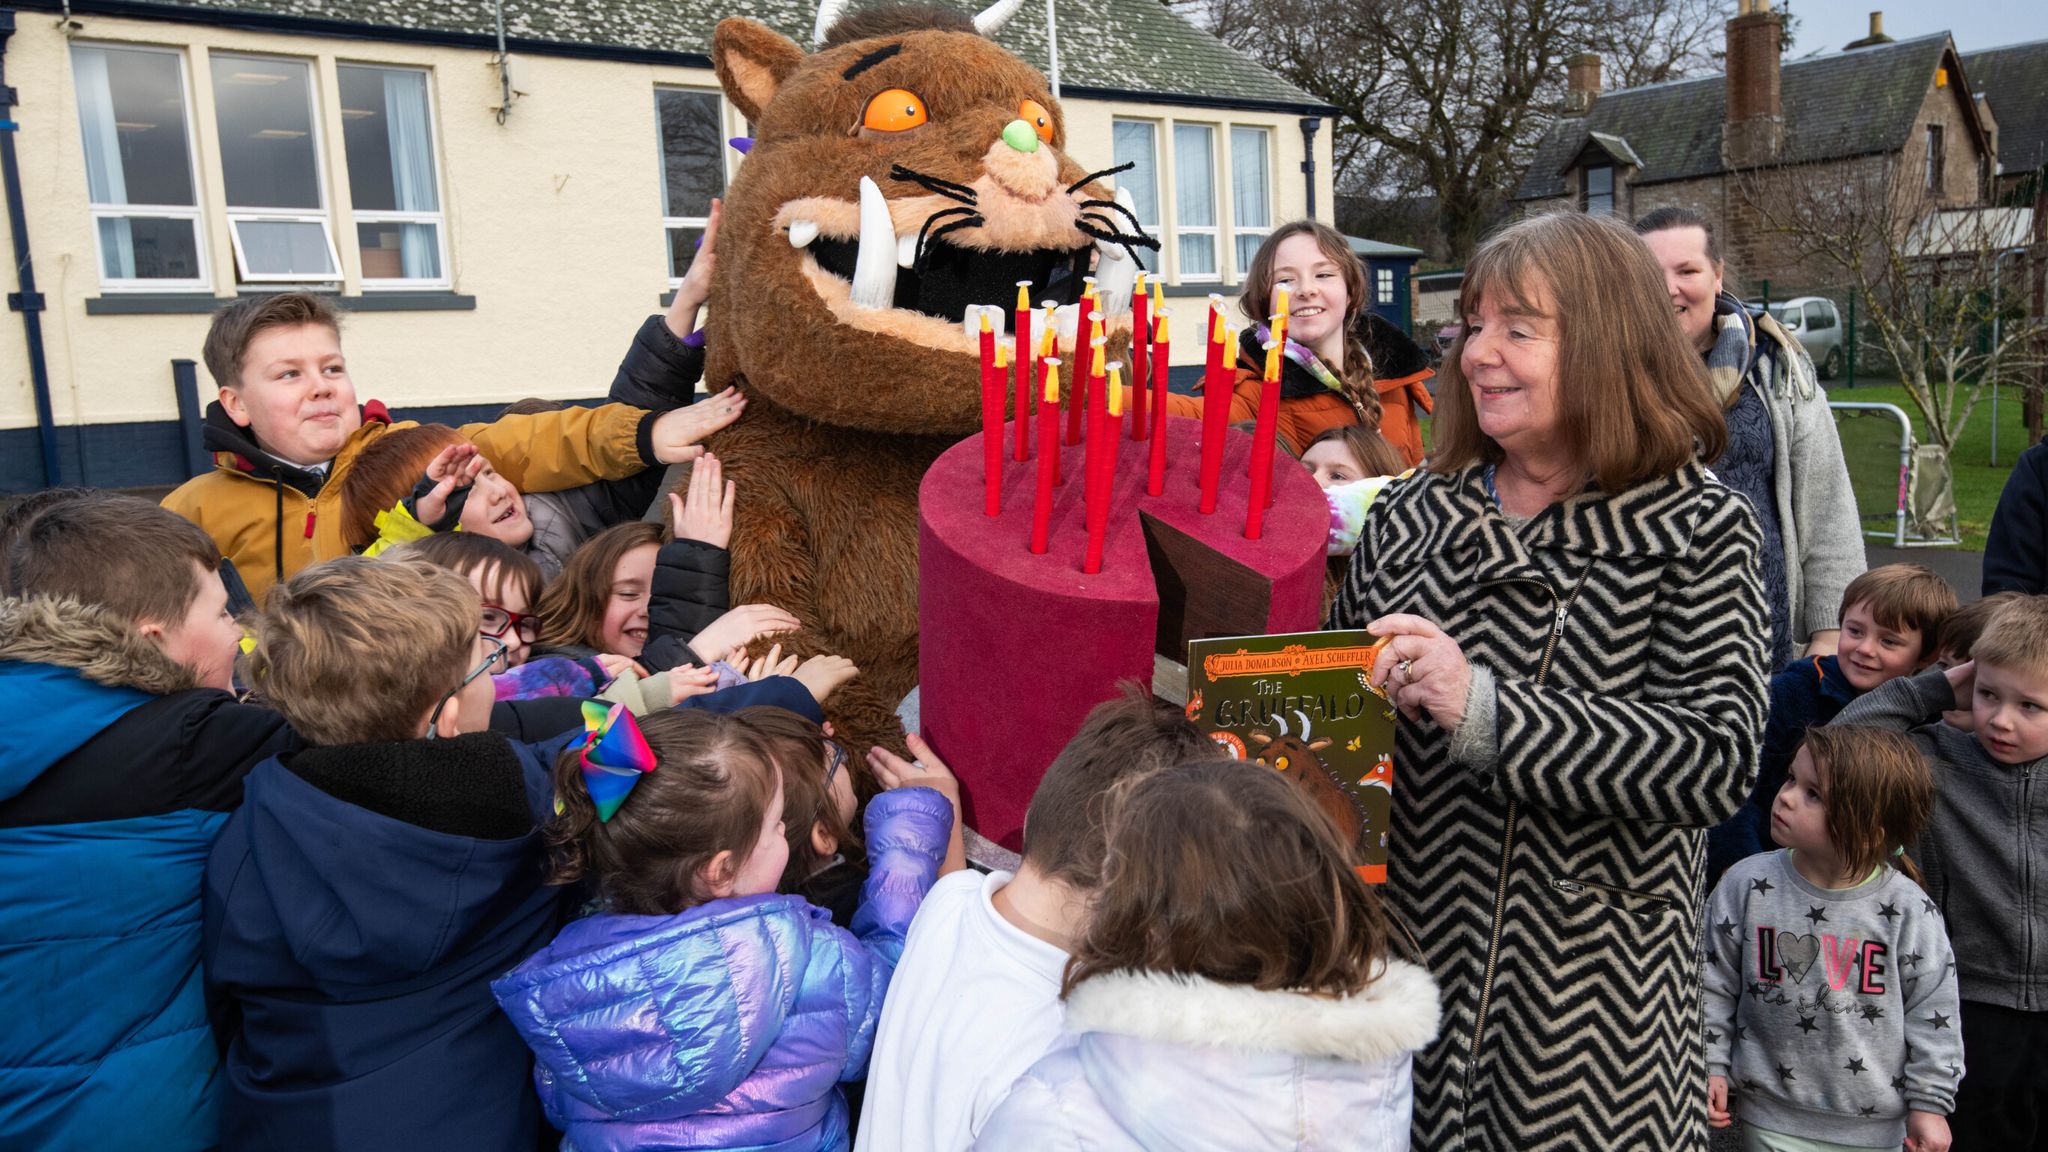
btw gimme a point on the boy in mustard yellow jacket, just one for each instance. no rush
(287, 428)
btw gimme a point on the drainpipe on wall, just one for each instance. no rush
(1310, 125)
(27, 301)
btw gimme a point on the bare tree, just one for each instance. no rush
(1944, 289)
(1448, 98)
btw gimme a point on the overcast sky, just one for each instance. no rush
(1975, 24)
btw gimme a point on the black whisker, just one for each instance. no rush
(924, 233)
(1117, 235)
(1111, 204)
(1077, 185)
(965, 222)
(934, 184)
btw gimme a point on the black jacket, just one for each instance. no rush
(2016, 551)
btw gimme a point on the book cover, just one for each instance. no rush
(1300, 704)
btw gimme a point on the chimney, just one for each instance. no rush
(1582, 83)
(1875, 38)
(1755, 130)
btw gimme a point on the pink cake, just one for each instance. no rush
(1015, 649)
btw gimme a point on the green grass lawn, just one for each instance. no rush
(1872, 449)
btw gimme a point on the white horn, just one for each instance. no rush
(874, 269)
(828, 15)
(1281, 719)
(991, 19)
(1304, 722)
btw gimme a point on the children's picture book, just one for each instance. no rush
(1301, 704)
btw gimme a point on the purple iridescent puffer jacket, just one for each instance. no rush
(730, 1025)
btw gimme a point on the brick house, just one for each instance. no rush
(1685, 142)
(2013, 81)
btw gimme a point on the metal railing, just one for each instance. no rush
(1910, 524)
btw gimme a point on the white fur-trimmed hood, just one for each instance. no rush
(1395, 1014)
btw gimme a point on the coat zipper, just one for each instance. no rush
(1507, 843)
(1579, 887)
(2026, 893)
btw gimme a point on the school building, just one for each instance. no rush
(497, 192)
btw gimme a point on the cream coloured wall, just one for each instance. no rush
(553, 222)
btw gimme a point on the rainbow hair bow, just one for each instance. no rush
(615, 756)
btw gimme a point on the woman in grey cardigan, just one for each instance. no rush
(1576, 636)
(1783, 450)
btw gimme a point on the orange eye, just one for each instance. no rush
(896, 110)
(1034, 114)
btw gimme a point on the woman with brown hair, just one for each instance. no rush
(1326, 377)
(1234, 989)
(1575, 639)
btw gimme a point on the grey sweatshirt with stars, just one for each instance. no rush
(1832, 1012)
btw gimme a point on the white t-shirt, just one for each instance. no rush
(973, 1004)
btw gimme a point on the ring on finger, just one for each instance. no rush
(1404, 668)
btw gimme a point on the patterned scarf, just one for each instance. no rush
(1728, 359)
(1308, 360)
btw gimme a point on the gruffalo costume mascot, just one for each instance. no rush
(906, 170)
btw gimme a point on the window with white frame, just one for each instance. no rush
(691, 126)
(271, 172)
(1383, 285)
(1136, 142)
(1194, 201)
(1251, 196)
(387, 132)
(138, 167)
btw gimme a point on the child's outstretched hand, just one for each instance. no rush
(927, 771)
(678, 432)
(1926, 1132)
(1717, 1102)
(684, 683)
(706, 514)
(616, 665)
(456, 466)
(695, 289)
(772, 663)
(739, 627)
(823, 675)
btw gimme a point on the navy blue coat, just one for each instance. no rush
(1804, 694)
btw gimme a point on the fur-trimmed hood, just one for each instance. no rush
(1154, 1061)
(1394, 1015)
(88, 640)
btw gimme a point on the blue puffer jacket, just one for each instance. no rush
(115, 776)
(730, 1025)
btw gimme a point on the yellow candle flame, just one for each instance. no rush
(1116, 389)
(1158, 294)
(1281, 306)
(1023, 295)
(1159, 328)
(1002, 356)
(1046, 333)
(1217, 329)
(1052, 380)
(1138, 286)
(1272, 360)
(984, 322)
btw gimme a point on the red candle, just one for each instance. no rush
(1140, 338)
(1279, 320)
(1105, 480)
(1048, 349)
(1262, 444)
(1078, 378)
(1098, 359)
(1216, 388)
(1048, 453)
(992, 387)
(1155, 475)
(1277, 323)
(1022, 361)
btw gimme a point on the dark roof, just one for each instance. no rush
(2015, 80)
(1135, 47)
(1846, 104)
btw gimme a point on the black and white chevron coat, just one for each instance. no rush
(1556, 892)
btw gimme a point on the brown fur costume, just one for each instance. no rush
(848, 405)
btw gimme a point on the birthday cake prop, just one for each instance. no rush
(1050, 571)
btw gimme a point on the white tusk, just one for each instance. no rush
(802, 232)
(991, 19)
(828, 15)
(906, 250)
(970, 322)
(874, 269)
(1115, 275)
